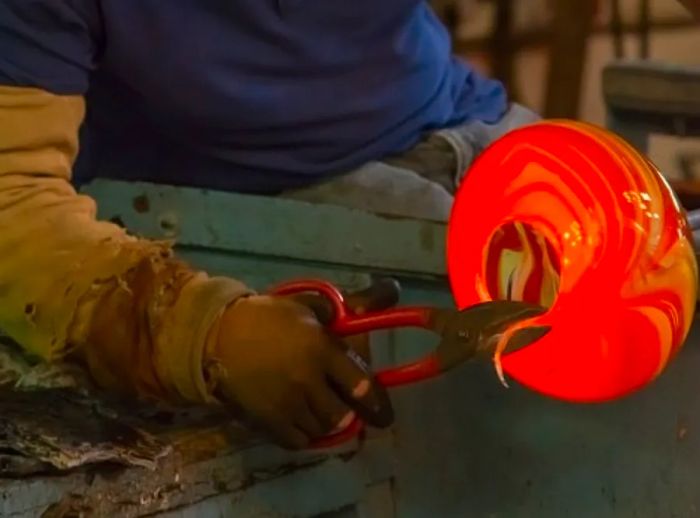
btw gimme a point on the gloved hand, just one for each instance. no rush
(278, 364)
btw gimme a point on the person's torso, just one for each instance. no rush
(263, 95)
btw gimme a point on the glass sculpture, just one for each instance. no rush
(568, 215)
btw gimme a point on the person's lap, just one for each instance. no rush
(419, 183)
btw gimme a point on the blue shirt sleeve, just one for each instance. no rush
(49, 44)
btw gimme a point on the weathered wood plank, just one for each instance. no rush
(66, 449)
(253, 477)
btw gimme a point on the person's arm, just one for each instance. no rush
(142, 321)
(70, 284)
(63, 274)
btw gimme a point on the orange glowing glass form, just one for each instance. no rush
(592, 230)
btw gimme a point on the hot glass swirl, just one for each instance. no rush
(592, 230)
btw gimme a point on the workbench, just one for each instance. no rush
(462, 446)
(192, 463)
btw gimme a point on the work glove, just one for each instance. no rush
(274, 361)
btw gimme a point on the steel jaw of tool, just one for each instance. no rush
(474, 332)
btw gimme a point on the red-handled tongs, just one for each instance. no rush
(464, 335)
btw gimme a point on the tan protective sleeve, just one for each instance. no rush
(70, 284)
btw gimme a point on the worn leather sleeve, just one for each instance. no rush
(71, 285)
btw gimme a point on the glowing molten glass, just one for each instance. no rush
(595, 233)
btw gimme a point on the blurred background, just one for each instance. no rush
(551, 53)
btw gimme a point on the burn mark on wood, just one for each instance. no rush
(141, 204)
(30, 309)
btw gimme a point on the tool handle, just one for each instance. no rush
(393, 377)
(340, 319)
(347, 434)
(344, 322)
(407, 374)
(334, 312)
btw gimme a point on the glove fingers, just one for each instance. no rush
(328, 408)
(355, 386)
(308, 421)
(281, 430)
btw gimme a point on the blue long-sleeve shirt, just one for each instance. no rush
(244, 95)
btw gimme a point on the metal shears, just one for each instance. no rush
(465, 334)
